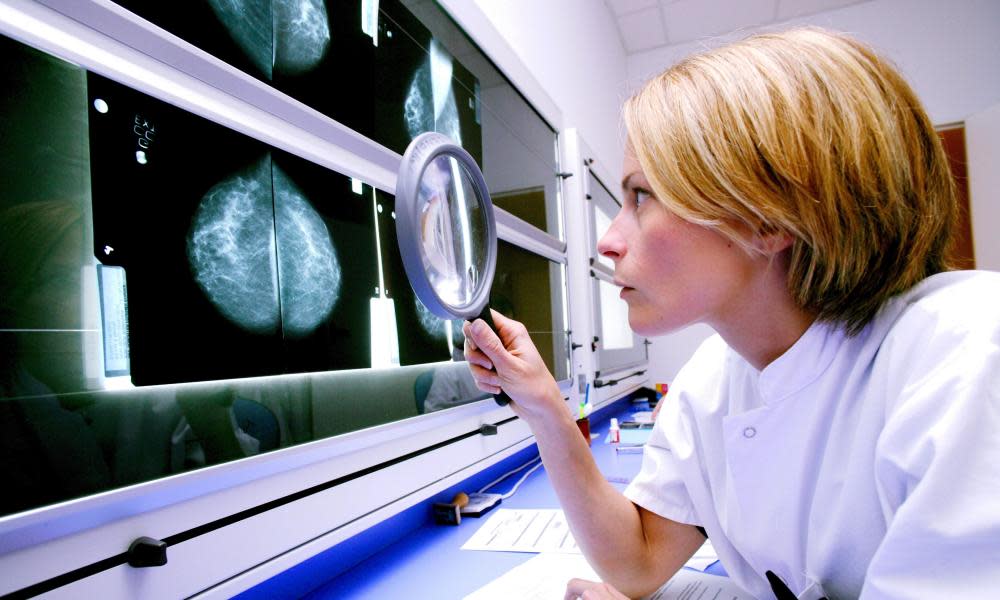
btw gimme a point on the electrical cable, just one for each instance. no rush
(521, 480)
(511, 472)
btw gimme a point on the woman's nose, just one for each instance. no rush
(612, 244)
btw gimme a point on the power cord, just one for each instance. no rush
(481, 502)
(537, 462)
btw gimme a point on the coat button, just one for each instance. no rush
(749, 432)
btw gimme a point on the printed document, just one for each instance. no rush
(546, 530)
(517, 530)
(545, 576)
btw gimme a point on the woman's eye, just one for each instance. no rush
(640, 197)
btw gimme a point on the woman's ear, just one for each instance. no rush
(773, 243)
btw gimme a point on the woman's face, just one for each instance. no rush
(673, 273)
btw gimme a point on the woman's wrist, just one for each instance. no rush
(550, 414)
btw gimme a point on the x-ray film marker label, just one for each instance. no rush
(114, 320)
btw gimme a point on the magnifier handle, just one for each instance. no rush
(502, 398)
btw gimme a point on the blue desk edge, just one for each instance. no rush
(312, 573)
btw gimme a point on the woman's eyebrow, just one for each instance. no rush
(626, 181)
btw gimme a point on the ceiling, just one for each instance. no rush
(651, 24)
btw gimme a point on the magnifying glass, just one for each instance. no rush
(446, 230)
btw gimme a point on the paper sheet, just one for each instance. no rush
(694, 584)
(703, 557)
(515, 530)
(544, 577)
(546, 530)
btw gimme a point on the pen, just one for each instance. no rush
(781, 591)
(585, 401)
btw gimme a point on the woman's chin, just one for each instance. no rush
(646, 326)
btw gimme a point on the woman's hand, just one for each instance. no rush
(519, 369)
(592, 590)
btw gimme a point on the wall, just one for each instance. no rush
(948, 51)
(982, 142)
(950, 54)
(573, 49)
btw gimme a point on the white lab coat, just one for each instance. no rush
(865, 466)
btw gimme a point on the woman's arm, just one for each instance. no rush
(633, 549)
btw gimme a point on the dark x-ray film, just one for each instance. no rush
(240, 260)
(380, 73)
(420, 87)
(327, 61)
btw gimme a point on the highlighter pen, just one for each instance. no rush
(585, 402)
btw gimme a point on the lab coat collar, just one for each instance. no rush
(801, 364)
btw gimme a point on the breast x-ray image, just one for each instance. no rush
(240, 260)
(238, 32)
(327, 265)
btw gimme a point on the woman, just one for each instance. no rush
(840, 431)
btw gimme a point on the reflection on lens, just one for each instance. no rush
(453, 233)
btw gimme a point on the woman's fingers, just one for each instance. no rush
(484, 376)
(592, 590)
(486, 341)
(477, 358)
(473, 355)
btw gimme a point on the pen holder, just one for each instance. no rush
(584, 425)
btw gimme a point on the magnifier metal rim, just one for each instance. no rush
(419, 154)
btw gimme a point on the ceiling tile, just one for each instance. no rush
(688, 20)
(642, 30)
(625, 7)
(789, 9)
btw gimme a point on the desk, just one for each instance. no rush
(428, 563)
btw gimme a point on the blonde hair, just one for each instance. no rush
(812, 134)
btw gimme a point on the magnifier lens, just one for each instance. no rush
(454, 239)
(446, 230)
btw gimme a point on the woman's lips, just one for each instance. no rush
(625, 289)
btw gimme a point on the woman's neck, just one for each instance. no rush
(766, 321)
